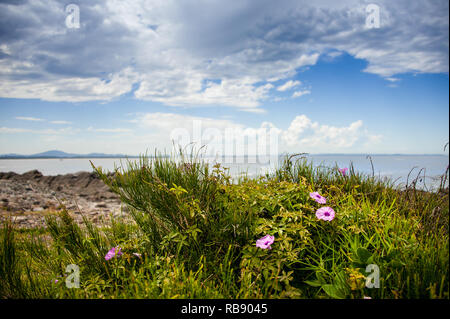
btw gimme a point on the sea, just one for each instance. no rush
(400, 169)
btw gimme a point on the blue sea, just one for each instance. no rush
(395, 167)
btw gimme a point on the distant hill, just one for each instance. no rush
(61, 154)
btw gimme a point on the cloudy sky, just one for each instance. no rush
(333, 77)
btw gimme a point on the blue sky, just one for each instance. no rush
(315, 76)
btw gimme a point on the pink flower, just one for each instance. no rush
(265, 242)
(318, 198)
(343, 171)
(137, 255)
(325, 213)
(112, 252)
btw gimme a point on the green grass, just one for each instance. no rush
(193, 234)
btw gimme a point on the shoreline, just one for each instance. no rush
(27, 198)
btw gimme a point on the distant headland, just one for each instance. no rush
(61, 154)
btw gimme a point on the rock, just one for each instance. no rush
(20, 219)
(82, 193)
(34, 174)
(7, 175)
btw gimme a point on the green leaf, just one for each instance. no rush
(396, 263)
(313, 283)
(320, 278)
(341, 284)
(357, 264)
(333, 292)
(363, 254)
(391, 255)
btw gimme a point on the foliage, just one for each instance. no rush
(193, 235)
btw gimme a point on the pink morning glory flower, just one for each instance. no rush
(325, 213)
(318, 198)
(343, 171)
(265, 242)
(112, 252)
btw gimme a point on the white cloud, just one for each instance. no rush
(170, 121)
(391, 79)
(73, 89)
(13, 130)
(160, 130)
(26, 118)
(206, 53)
(306, 135)
(240, 93)
(302, 134)
(288, 85)
(34, 119)
(109, 130)
(64, 131)
(300, 93)
(335, 54)
(60, 122)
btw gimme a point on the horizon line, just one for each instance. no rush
(105, 155)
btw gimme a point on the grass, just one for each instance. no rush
(193, 231)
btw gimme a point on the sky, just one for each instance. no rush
(240, 77)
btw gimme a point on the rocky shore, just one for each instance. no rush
(29, 197)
